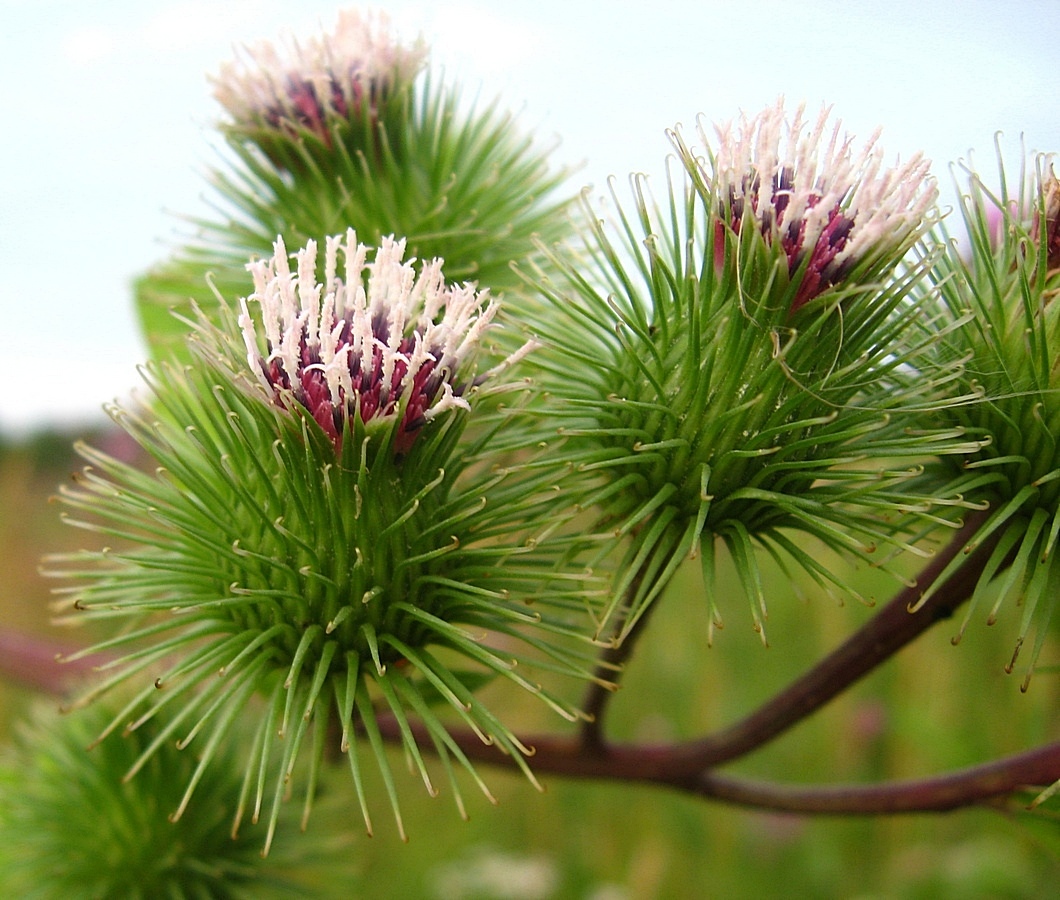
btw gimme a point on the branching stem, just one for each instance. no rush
(891, 629)
(990, 782)
(689, 766)
(609, 670)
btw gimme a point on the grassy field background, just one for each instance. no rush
(935, 708)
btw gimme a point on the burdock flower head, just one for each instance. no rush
(998, 288)
(339, 130)
(342, 79)
(714, 401)
(71, 824)
(323, 541)
(391, 353)
(826, 208)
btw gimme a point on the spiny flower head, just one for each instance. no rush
(323, 539)
(457, 180)
(314, 84)
(72, 824)
(809, 194)
(381, 345)
(701, 409)
(996, 292)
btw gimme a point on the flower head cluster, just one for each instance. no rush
(327, 78)
(379, 345)
(808, 192)
(339, 130)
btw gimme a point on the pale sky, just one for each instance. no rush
(108, 115)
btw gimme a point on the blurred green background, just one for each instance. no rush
(935, 708)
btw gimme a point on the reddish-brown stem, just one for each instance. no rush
(892, 628)
(979, 784)
(597, 695)
(953, 790)
(688, 766)
(608, 672)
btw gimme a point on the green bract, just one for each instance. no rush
(744, 365)
(322, 539)
(1001, 287)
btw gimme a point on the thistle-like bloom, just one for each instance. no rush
(322, 538)
(314, 84)
(393, 347)
(339, 129)
(827, 207)
(713, 403)
(998, 299)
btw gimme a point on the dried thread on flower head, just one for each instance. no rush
(319, 80)
(808, 192)
(379, 344)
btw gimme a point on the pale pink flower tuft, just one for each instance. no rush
(807, 189)
(379, 343)
(310, 83)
